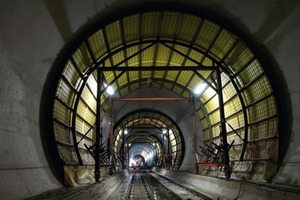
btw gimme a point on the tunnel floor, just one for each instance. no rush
(168, 184)
(134, 184)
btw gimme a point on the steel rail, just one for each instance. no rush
(199, 194)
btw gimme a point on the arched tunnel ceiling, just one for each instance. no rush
(170, 50)
(149, 130)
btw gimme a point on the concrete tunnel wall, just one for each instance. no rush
(33, 33)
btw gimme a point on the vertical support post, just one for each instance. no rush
(168, 140)
(98, 125)
(111, 141)
(164, 150)
(194, 131)
(223, 125)
(123, 151)
(128, 155)
(163, 142)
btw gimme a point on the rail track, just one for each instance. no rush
(139, 185)
(148, 185)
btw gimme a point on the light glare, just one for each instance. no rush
(200, 88)
(110, 90)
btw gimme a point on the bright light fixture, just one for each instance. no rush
(110, 90)
(200, 88)
(125, 131)
(164, 131)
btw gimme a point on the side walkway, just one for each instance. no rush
(231, 189)
(101, 190)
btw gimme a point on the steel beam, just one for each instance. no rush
(244, 109)
(152, 99)
(223, 133)
(74, 116)
(194, 132)
(85, 134)
(98, 125)
(157, 68)
(210, 164)
(111, 132)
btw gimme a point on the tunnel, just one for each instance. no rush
(204, 92)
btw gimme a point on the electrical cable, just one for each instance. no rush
(240, 189)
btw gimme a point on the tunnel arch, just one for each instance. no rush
(148, 126)
(198, 47)
(140, 159)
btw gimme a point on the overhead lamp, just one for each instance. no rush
(199, 88)
(110, 90)
(125, 131)
(164, 131)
